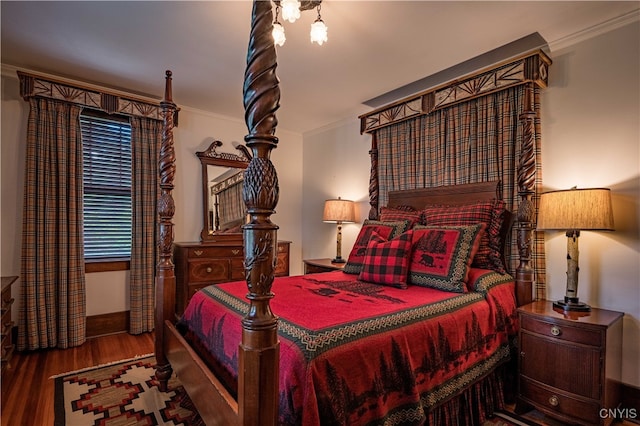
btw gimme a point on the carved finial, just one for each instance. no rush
(168, 97)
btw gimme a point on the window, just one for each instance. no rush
(106, 150)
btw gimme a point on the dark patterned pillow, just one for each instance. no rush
(387, 262)
(490, 213)
(392, 214)
(386, 230)
(441, 256)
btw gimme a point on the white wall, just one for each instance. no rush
(590, 131)
(109, 291)
(591, 138)
(336, 163)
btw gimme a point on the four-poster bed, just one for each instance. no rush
(257, 395)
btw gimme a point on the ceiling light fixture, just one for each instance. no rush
(278, 30)
(318, 30)
(291, 12)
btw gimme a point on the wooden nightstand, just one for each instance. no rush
(312, 266)
(569, 366)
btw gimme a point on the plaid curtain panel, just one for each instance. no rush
(53, 306)
(146, 137)
(474, 141)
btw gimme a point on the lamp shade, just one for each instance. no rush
(339, 211)
(576, 209)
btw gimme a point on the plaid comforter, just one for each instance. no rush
(352, 352)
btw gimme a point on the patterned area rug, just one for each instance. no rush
(123, 393)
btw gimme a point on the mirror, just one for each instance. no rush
(224, 211)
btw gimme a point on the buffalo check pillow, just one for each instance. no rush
(441, 256)
(387, 262)
(386, 230)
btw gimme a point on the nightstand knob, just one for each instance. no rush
(555, 330)
(209, 270)
(554, 401)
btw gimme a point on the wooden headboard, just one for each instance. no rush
(446, 195)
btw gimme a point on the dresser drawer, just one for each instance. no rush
(208, 270)
(560, 404)
(208, 252)
(563, 332)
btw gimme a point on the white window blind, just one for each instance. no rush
(106, 147)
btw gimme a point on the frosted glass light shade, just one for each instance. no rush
(318, 32)
(278, 34)
(290, 10)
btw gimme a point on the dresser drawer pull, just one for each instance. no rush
(555, 330)
(209, 269)
(235, 252)
(554, 401)
(198, 252)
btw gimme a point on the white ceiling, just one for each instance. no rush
(374, 46)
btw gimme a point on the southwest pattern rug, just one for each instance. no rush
(122, 393)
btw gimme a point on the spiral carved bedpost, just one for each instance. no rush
(259, 350)
(374, 192)
(526, 190)
(165, 277)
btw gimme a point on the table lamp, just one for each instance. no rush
(574, 210)
(339, 211)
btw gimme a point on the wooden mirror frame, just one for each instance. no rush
(210, 157)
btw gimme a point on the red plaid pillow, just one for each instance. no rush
(386, 230)
(387, 262)
(389, 214)
(490, 213)
(441, 257)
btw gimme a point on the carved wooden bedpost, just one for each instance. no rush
(526, 190)
(259, 350)
(165, 277)
(374, 192)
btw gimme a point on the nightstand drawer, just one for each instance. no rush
(559, 403)
(563, 332)
(575, 369)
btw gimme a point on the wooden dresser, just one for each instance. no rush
(201, 264)
(570, 364)
(7, 325)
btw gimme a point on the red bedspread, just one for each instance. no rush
(358, 353)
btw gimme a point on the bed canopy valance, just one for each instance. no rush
(531, 68)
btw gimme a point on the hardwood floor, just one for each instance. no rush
(27, 387)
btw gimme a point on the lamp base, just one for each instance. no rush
(338, 260)
(571, 304)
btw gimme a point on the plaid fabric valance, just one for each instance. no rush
(32, 85)
(530, 67)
